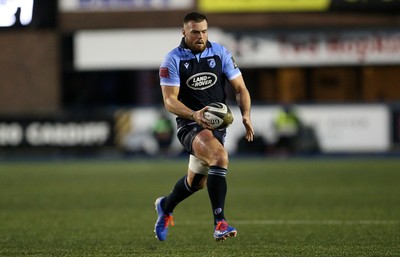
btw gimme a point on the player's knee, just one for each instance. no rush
(220, 158)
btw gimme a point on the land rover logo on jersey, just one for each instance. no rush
(201, 81)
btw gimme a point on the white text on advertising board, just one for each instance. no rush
(9, 10)
(55, 134)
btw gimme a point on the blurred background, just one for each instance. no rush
(80, 77)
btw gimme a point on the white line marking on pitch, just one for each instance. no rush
(318, 222)
(307, 222)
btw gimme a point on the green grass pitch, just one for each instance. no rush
(292, 207)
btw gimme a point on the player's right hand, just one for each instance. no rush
(198, 116)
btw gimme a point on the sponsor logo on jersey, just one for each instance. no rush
(234, 63)
(201, 81)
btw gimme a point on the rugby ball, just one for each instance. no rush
(219, 115)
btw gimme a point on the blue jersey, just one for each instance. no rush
(200, 76)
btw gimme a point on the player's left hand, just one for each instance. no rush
(249, 128)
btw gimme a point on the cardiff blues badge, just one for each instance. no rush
(211, 63)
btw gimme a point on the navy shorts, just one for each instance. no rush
(188, 132)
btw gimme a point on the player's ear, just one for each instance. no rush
(183, 32)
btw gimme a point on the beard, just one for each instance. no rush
(198, 47)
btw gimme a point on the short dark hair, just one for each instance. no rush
(194, 16)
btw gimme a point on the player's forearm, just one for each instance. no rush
(176, 107)
(244, 101)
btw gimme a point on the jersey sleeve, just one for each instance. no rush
(169, 71)
(229, 66)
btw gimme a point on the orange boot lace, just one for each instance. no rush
(168, 219)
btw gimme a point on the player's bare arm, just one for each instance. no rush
(173, 105)
(244, 101)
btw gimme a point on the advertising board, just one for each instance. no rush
(55, 132)
(123, 5)
(338, 128)
(113, 49)
(388, 6)
(262, 5)
(28, 13)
